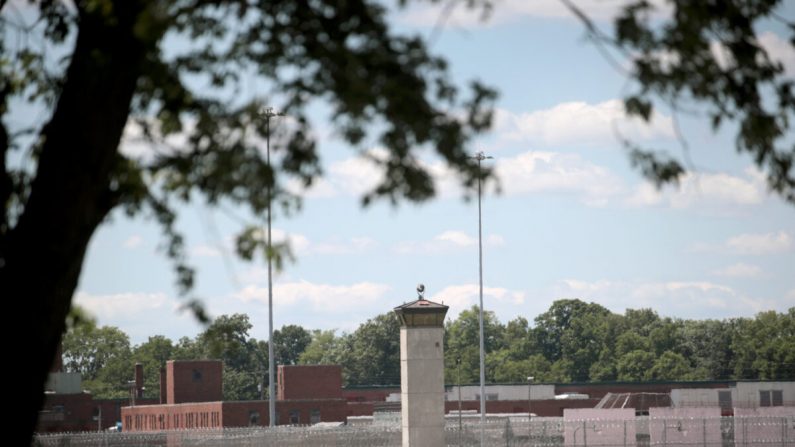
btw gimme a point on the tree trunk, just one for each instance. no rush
(71, 194)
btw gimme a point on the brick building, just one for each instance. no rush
(67, 408)
(191, 396)
(550, 400)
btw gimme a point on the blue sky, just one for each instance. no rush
(572, 220)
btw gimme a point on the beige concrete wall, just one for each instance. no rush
(747, 393)
(689, 425)
(422, 386)
(503, 392)
(599, 427)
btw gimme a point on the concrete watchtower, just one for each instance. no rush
(422, 372)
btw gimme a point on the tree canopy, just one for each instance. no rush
(638, 345)
(175, 72)
(707, 56)
(94, 68)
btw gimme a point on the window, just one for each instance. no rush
(253, 417)
(777, 396)
(314, 416)
(771, 398)
(764, 398)
(725, 399)
(295, 417)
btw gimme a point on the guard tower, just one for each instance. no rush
(422, 372)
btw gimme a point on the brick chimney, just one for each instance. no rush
(163, 386)
(139, 380)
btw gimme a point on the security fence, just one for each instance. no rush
(508, 431)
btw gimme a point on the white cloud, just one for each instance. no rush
(683, 299)
(351, 246)
(445, 242)
(544, 172)
(739, 270)
(141, 315)
(703, 191)
(133, 242)
(109, 307)
(135, 145)
(205, 251)
(353, 176)
(357, 175)
(779, 49)
(457, 238)
(579, 123)
(318, 297)
(760, 244)
(509, 11)
(300, 245)
(464, 296)
(530, 172)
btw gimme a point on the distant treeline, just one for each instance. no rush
(572, 341)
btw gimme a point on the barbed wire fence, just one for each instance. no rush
(509, 432)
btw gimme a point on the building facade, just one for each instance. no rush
(194, 390)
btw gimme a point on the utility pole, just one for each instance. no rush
(460, 424)
(529, 413)
(270, 113)
(480, 156)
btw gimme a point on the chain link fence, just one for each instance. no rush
(511, 431)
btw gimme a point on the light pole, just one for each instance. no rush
(460, 425)
(270, 113)
(529, 413)
(480, 156)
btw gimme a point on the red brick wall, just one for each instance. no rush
(360, 408)
(238, 414)
(368, 394)
(309, 382)
(212, 415)
(205, 415)
(194, 381)
(77, 412)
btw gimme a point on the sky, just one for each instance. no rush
(571, 219)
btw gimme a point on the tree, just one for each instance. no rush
(113, 70)
(88, 349)
(462, 340)
(630, 341)
(670, 366)
(245, 359)
(708, 55)
(764, 347)
(372, 356)
(321, 349)
(289, 343)
(554, 327)
(102, 356)
(667, 336)
(226, 339)
(153, 355)
(635, 366)
(709, 345)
